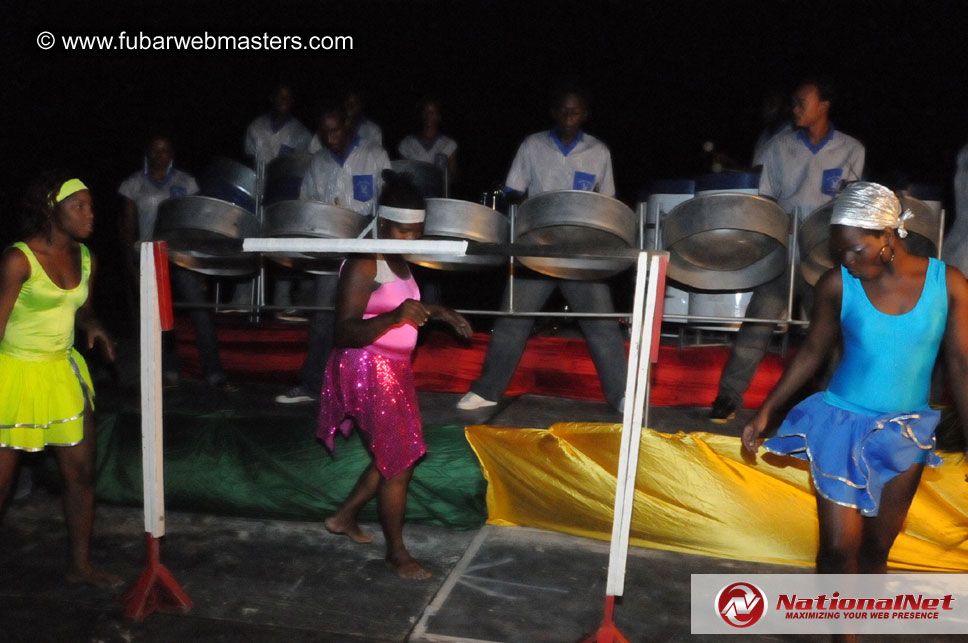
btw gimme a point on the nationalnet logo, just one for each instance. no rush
(911, 604)
(741, 604)
(899, 606)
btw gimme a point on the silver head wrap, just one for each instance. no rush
(870, 206)
(401, 215)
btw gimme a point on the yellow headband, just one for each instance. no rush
(69, 188)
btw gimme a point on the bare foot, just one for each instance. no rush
(93, 576)
(347, 528)
(408, 568)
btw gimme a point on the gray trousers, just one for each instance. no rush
(605, 341)
(321, 328)
(769, 301)
(189, 287)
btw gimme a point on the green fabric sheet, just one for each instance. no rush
(231, 464)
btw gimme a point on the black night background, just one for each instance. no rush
(664, 77)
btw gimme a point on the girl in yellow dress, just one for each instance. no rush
(46, 396)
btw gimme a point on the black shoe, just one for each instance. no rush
(222, 385)
(724, 409)
(225, 387)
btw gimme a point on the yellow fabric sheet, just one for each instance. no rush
(696, 494)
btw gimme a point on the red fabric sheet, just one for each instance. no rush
(555, 366)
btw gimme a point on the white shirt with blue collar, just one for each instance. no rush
(439, 151)
(263, 143)
(543, 163)
(799, 174)
(955, 249)
(763, 142)
(367, 130)
(352, 182)
(148, 194)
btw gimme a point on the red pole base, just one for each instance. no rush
(606, 632)
(156, 589)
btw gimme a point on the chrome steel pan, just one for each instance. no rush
(573, 217)
(426, 177)
(451, 219)
(284, 176)
(815, 258)
(229, 180)
(726, 241)
(195, 226)
(310, 219)
(814, 243)
(924, 229)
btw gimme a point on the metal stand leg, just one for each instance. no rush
(606, 632)
(156, 589)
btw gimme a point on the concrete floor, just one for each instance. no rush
(262, 580)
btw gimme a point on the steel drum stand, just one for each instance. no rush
(257, 298)
(512, 215)
(156, 588)
(794, 244)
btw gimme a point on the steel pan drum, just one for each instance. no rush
(229, 180)
(451, 219)
(284, 176)
(924, 230)
(815, 259)
(814, 244)
(197, 227)
(572, 217)
(310, 219)
(726, 241)
(428, 178)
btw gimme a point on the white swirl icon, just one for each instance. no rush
(45, 40)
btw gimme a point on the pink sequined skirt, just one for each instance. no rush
(378, 395)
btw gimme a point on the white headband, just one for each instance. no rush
(400, 215)
(870, 206)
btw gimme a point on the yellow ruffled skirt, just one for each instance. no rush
(42, 401)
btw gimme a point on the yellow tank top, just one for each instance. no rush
(41, 324)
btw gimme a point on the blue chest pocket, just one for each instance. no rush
(583, 181)
(362, 187)
(830, 182)
(285, 150)
(177, 190)
(440, 159)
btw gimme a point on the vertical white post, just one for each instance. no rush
(152, 457)
(940, 232)
(635, 413)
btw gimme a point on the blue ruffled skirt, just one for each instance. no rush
(853, 455)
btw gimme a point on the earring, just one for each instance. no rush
(880, 255)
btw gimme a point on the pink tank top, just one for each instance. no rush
(397, 342)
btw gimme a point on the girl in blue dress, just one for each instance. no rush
(869, 435)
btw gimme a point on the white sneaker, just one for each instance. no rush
(295, 395)
(472, 401)
(291, 315)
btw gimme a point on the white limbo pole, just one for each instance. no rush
(643, 351)
(156, 588)
(382, 246)
(152, 457)
(644, 342)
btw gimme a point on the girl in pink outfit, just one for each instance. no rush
(369, 378)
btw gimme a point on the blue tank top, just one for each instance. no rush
(888, 359)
